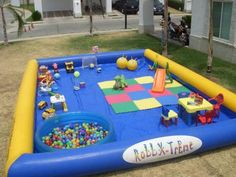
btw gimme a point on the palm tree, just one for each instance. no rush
(4, 4)
(210, 38)
(165, 30)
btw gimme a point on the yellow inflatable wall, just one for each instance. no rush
(23, 126)
(201, 83)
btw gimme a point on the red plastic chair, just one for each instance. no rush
(206, 118)
(219, 99)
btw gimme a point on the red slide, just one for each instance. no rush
(159, 81)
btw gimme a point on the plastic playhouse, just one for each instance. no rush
(93, 113)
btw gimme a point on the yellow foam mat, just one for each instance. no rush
(148, 103)
(144, 80)
(106, 84)
(173, 84)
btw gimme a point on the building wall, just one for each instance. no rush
(225, 49)
(15, 3)
(54, 5)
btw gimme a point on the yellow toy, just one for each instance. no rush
(121, 62)
(132, 64)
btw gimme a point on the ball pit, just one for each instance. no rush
(75, 135)
(73, 130)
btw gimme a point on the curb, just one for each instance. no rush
(70, 34)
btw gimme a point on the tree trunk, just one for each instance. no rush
(91, 17)
(165, 52)
(4, 26)
(210, 38)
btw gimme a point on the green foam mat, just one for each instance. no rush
(176, 90)
(124, 107)
(131, 81)
(111, 91)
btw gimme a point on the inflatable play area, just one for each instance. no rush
(93, 113)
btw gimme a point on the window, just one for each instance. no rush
(222, 12)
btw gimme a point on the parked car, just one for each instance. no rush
(131, 6)
(158, 8)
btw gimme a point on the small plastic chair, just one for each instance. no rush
(167, 116)
(219, 100)
(205, 118)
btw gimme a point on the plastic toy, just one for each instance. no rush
(95, 49)
(42, 105)
(91, 65)
(57, 98)
(132, 64)
(99, 69)
(47, 80)
(167, 116)
(168, 73)
(54, 87)
(197, 99)
(153, 67)
(43, 69)
(159, 81)
(57, 76)
(50, 112)
(120, 82)
(219, 99)
(76, 74)
(206, 118)
(69, 67)
(45, 89)
(183, 94)
(82, 84)
(121, 62)
(55, 68)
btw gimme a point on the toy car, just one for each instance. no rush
(42, 104)
(50, 112)
(69, 67)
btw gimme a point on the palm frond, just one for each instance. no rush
(15, 12)
(3, 2)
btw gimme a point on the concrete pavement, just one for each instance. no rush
(67, 25)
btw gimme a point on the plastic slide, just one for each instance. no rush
(159, 81)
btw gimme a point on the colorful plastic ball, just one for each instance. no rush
(57, 76)
(121, 62)
(132, 64)
(99, 70)
(91, 65)
(76, 74)
(75, 135)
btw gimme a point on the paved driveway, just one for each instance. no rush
(64, 23)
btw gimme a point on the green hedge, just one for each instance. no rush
(187, 20)
(176, 4)
(36, 16)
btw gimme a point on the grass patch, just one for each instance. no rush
(119, 41)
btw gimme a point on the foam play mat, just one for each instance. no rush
(138, 95)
